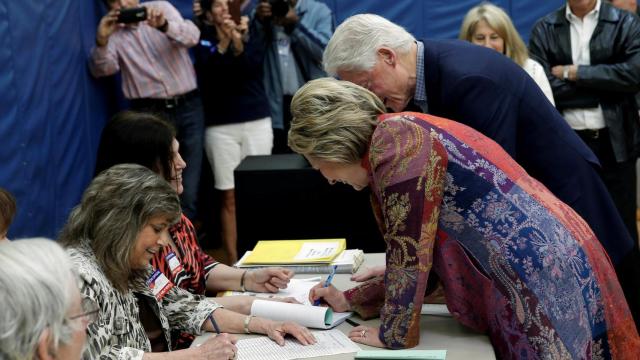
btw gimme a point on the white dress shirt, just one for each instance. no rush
(581, 31)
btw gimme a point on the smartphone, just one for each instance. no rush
(132, 15)
(234, 10)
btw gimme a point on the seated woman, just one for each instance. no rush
(120, 224)
(42, 315)
(489, 26)
(147, 140)
(514, 261)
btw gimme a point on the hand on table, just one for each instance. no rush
(267, 280)
(220, 347)
(366, 335)
(368, 273)
(276, 331)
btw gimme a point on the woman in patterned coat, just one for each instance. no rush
(514, 261)
(121, 222)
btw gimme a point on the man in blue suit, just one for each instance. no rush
(489, 92)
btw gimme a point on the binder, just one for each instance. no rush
(348, 262)
(291, 252)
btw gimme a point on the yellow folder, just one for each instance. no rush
(281, 252)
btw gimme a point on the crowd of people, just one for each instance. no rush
(502, 175)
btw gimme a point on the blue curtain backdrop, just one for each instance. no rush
(52, 110)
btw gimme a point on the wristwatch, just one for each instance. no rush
(565, 72)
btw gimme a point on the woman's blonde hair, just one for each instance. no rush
(333, 120)
(499, 21)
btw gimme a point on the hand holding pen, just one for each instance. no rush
(330, 295)
(327, 283)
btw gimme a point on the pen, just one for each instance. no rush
(327, 282)
(215, 325)
(351, 322)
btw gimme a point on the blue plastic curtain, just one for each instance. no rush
(52, 110)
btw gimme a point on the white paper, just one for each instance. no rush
(329, 342)
(435, 309)
(297, 289)
(318, 317)
(315, 250)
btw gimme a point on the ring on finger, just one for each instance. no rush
(363, 333)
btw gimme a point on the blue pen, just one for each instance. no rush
(215, 325)
(327, 282)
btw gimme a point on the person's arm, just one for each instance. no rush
(223, 277)
(409, 176)
(565, 93)
(104, 59)
(624, 74)
(229, 321)
(313, 35)
(540, 77)
(183, 32)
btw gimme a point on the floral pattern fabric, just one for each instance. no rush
(118, 332)
(514, 261)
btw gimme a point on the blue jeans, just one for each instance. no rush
(188, 119)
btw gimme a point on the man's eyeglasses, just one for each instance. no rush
(90, 311)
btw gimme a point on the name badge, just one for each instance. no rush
(159, 284)
(174, 264)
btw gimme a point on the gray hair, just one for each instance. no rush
(114, 209)
(355, 42)
(333, 120)
(35, 281)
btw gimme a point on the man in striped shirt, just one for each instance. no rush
(157, 75)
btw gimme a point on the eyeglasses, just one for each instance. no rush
(90, 311)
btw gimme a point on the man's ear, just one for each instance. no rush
(387, 55)
(43, 349)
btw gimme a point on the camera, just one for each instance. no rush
(279, 8)
(132, 15)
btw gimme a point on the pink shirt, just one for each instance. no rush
(153, 64)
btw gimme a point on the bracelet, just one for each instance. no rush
(242, 288)
(565, 72)
(247, 320)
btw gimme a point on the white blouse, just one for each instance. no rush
(536, 71)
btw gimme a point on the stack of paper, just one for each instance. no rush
(330, 342)
(348, 262)
(295, 252)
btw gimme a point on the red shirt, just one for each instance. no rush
(188, 269)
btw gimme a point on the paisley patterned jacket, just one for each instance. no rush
(514, 261)
(118, 332)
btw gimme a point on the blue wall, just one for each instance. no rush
(52, 110)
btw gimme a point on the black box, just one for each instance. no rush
(280, 197)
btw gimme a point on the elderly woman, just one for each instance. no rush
(120, 224)
(42, 315)
(514, 261)
(489, 26)
(147, 140)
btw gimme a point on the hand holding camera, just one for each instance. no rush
(157, 20)
(108, 24)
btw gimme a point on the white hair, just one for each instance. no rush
(355, 42)
(35, 280)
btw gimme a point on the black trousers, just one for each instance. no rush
(280, 145)
(620, 180)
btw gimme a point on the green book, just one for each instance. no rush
(402, 354)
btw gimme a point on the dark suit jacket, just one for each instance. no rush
(488, 91)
